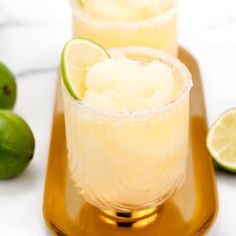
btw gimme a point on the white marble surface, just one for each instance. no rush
(32, 33)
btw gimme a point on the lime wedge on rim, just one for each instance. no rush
(77, 57)
(221, 141)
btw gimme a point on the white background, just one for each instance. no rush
(32, 34)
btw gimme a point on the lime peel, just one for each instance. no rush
(8, 88)
(17, 144)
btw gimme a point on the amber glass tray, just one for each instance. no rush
(190, 212)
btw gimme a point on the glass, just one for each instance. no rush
(156, 32)
(192, 211)
(129, 163)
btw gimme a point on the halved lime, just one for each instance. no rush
(221, 141)
(77, 57)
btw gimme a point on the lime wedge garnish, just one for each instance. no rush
(221, 141)
(77, 57)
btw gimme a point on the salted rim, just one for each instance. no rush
(173, 62)
(106, 24)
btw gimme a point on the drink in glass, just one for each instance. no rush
(118, 23)
(127, 136)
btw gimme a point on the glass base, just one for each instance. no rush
(134, 219)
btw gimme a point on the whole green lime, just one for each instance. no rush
(16, 144)
(7, 88)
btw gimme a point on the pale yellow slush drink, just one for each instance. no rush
(128, 136)
(119, 23)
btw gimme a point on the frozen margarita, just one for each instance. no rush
(113, 23)
(122, 84)
(127, 130)
(125, 10)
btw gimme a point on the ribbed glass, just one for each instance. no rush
(126, 161)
